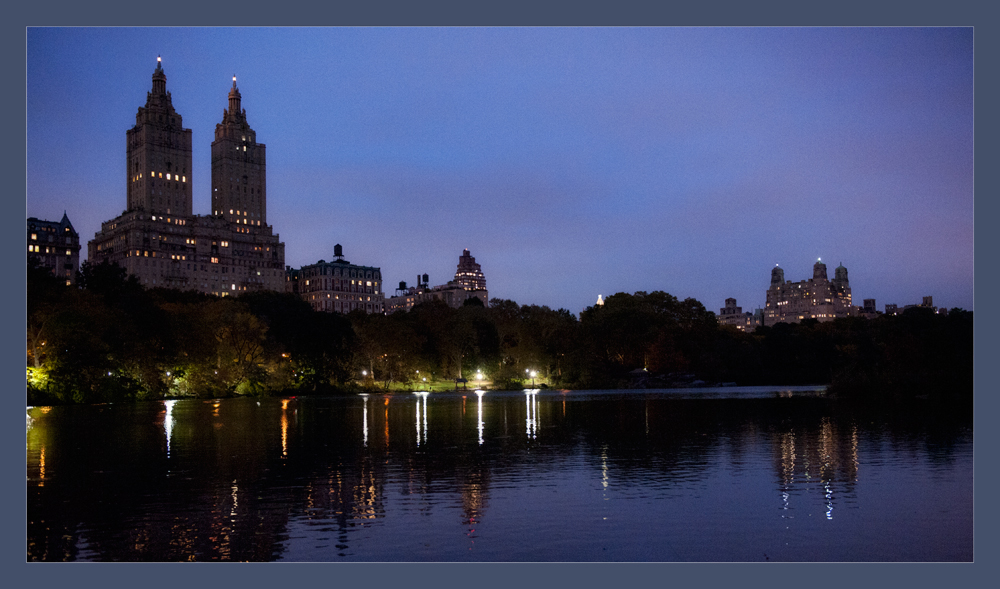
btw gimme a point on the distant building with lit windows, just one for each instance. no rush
(816, 298)
(159, 240)
(56, 245)
(469, 282)
(469, 274)
(338, 286)
(926, 303)
(733, 315)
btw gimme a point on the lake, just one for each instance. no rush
(736, 474)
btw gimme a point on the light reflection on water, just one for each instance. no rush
(611, 476)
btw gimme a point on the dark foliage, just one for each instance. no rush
(110, 339)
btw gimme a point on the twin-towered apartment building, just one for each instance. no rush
(159, 239)
(232, 250)
(816, 298)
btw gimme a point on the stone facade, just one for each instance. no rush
(733, 315)
(56, 245)
(816, 298)
(469, 282)
(337, 286)
(159, 240)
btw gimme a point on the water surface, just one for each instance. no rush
(735, 474)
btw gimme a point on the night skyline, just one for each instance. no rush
(570, 162)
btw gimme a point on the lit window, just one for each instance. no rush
(184, 178)
(215, 260)
(34, 236)
(161, 174)
(168, 175)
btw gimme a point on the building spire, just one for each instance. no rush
(159, 78)
(234, 100)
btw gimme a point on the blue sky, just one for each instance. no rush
(571, 162)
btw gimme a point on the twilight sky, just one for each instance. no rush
(571, 162)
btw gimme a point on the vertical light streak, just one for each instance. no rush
(387, 422)
(364, 420)
(480, 424)
(604, 470)
(531, 421)
(424, 429)
(424, 395)
(168, 423)
(41, 467)
(527, 415)
(854, 452)
(284, 428)
(534, 412)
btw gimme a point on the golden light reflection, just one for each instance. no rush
(284, 435)
(41, 467)
(387, 422)
(818, 459)
(854, 453)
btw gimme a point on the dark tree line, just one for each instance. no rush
(110, 339)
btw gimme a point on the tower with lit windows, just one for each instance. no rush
(159, 240)
(469, 274)
(239, 186)
(158, 160)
